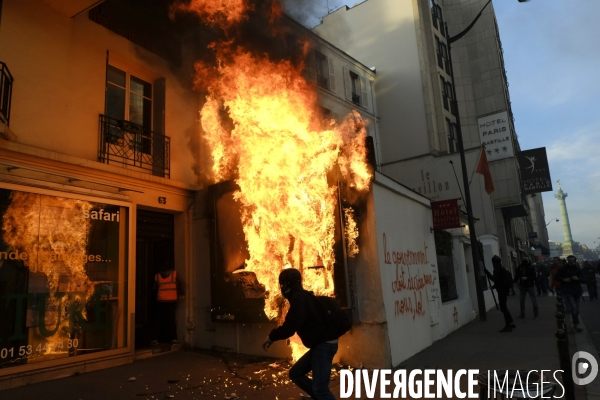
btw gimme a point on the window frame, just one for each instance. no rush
(127, 105)
(356, 88)
(451, 136)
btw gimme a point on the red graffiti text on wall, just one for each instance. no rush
(407, 281)
(410, 305)
(407, 257)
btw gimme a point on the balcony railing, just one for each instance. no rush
(125, 143)
(6, 83)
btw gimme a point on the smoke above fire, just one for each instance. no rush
(264, 127)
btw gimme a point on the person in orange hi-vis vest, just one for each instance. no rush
(168, 287)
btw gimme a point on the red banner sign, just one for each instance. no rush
(445, 214)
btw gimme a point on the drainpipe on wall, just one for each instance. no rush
(191, 295)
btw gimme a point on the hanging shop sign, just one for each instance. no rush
(494, 132)
(63, 288)
(445, 214)
(535, 172)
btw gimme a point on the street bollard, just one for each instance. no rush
(560, 320)
(565, 364)
(561, 323)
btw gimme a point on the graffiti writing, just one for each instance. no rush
(416, 282)
(407, 257)
(410, 305)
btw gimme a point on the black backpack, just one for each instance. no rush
(337, 320)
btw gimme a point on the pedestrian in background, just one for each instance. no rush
(571, 278)
(168, 287)
(525, 277)
(503, 281)
(556, 265)
(589, 274)
(541, 279)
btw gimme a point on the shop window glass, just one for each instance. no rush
(63, 277)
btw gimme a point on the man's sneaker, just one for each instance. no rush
(513, 325)
(577, 328)
(505, 329)
(522, 316)
(154, 343)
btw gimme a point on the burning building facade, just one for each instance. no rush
(227, 146)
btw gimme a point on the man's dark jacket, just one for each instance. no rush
(304, 318)
(527, 270)
(573, 287)
(502, 279)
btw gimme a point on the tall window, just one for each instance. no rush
(452, 141)
(133, 123)
(447, 278)
(448, 95)
(128, 97)
(355, 82)
(356, 88)
(437, 18)
(442, 55)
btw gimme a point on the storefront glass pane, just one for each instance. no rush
(63, 280)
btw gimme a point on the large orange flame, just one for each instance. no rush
(223, 13)
(261, 120)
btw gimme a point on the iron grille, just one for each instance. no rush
(6, 83)
(126, 143)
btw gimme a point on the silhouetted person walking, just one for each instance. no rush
(571, 278)
(525, 276)
(502, 279)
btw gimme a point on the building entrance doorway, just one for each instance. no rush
(154, 247)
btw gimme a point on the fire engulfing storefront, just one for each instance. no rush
(63, 279)
(238, 295)
(391, 285)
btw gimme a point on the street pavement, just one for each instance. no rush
(590, 312)
(199, 374)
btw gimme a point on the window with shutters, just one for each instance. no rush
(325, 71)
(356, 88)
(132, 126)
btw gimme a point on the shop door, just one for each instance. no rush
(154, 247)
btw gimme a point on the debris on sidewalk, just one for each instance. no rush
(231, 396)
(132, 379)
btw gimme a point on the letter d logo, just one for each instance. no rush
(581, 363)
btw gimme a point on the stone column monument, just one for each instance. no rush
(567, 245)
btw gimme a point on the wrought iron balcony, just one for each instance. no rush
(6, 82)
(126, 143)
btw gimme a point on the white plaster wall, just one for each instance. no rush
(59, 67)
(390, 45)
(402, 226)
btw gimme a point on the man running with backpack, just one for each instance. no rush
(308, 317)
